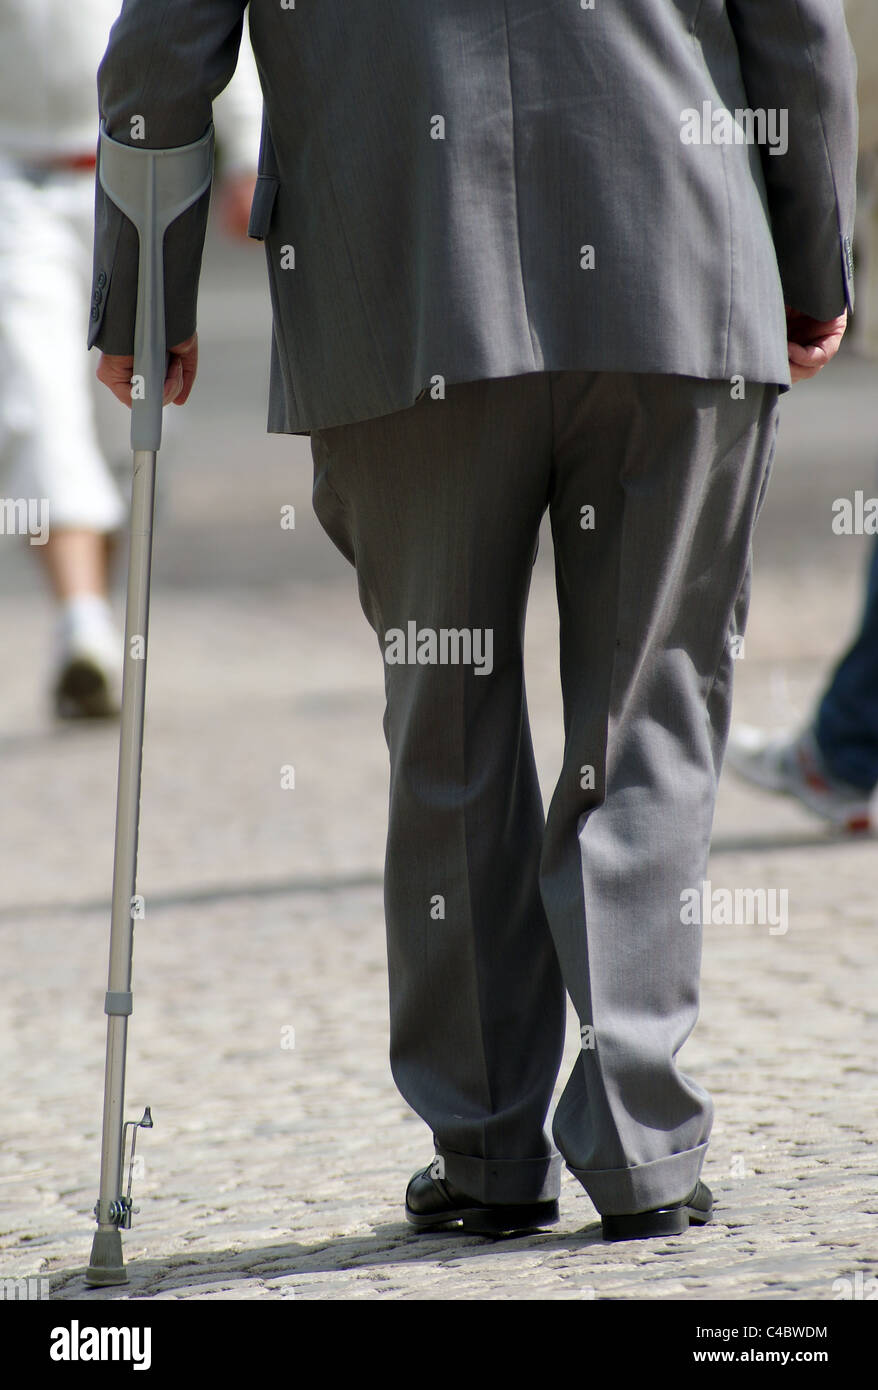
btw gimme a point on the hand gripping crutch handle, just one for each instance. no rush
(152, 188)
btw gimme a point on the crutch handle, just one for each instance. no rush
(152, 188)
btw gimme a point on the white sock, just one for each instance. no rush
(86, 616)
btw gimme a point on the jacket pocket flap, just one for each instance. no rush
(261, 208)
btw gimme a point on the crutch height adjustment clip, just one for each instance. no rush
(118, 1001)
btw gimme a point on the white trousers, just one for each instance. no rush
(59, 426)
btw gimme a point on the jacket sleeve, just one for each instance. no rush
(796, 56)
(166, 60)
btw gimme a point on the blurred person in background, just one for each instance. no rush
(61, 434)
(831, 765)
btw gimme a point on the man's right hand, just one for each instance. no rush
(811, 344)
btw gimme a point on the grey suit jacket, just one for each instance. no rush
(459, 189)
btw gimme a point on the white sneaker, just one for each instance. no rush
(793, 764)
(87, 679)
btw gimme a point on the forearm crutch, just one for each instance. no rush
(152, 188)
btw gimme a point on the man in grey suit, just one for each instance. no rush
(523, 255)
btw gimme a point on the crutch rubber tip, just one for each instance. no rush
(107, 1265)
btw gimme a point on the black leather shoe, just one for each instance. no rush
(696, 1209)
(432, 1202)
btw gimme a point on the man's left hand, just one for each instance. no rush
(116, 372)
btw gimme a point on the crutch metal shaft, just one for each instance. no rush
(127, 826)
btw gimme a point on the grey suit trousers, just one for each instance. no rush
(494, 909)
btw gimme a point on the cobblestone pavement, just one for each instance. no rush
(278, 1172)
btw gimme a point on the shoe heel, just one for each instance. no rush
(498, 1221)
(640, 1227)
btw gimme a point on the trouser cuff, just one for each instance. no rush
(627, 1191)
(499, 1181)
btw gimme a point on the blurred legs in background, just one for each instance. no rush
(832, 765)
(55, 429)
